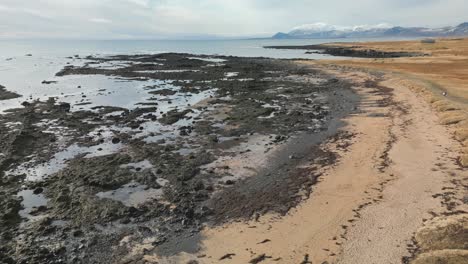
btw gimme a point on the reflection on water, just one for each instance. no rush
(30, 202)
(138, 166)
(59, 161)
(87, 92)
(132, 194)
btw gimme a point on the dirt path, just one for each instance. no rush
(366, 208)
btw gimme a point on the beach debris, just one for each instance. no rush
(227, 256)
(259, 259)
(265, 241)
(306, 259)
(257, 217)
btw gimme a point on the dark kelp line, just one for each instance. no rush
(86, 186)
(354, 51)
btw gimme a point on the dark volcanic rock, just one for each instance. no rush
(173, 116)
(5, 95)
(164, 92)
(38, 190)
(48, 82)
(65, 107)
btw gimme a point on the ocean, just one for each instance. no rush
(244, 48)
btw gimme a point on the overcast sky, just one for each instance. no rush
(110, 19)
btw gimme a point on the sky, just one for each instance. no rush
(172, 19)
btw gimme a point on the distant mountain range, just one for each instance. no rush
(322, 30)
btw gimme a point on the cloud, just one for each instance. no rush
(4, 8)
(100, 20)
(143, 3)
(175, 18)
(28, 11)
(37, 13)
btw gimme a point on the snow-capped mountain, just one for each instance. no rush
(323, 30)
(461, 30)
(323, 27)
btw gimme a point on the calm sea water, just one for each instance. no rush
(247, 48)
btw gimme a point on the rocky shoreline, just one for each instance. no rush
(354, 51)
(217, 139)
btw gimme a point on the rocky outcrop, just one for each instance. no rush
(5, 95)
(354, 51)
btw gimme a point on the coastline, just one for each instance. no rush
(243, 176)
